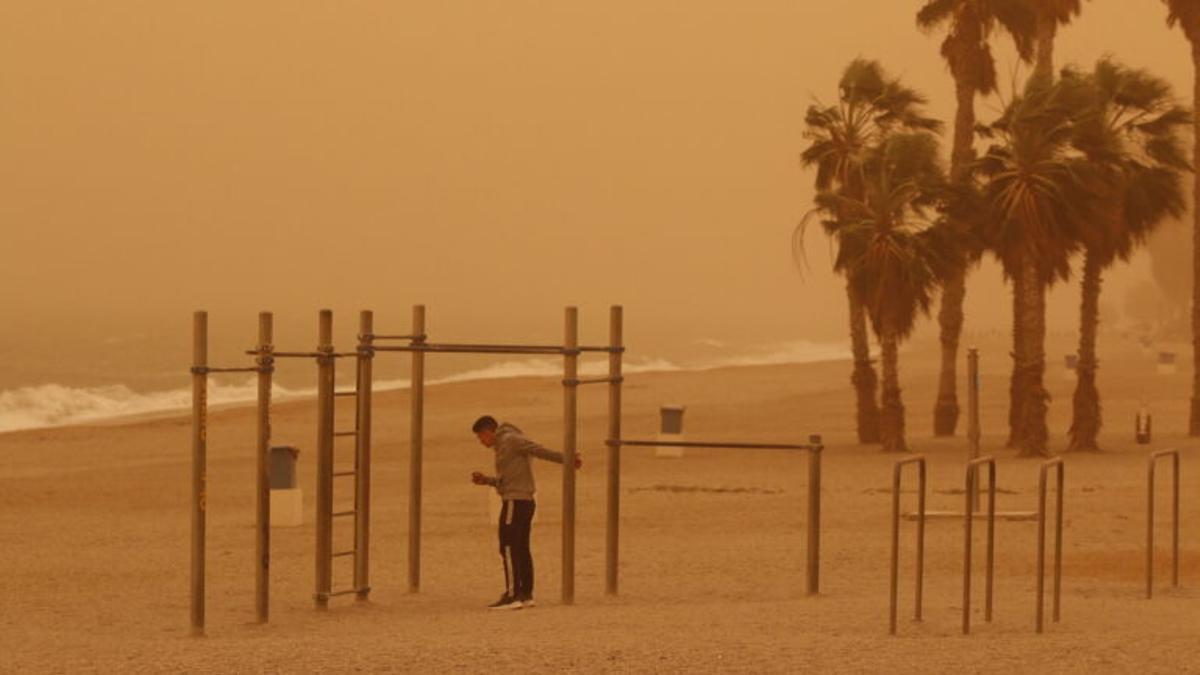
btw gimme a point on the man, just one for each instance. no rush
(514, 482)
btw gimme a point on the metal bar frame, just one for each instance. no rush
(1057, 465)
(364, 384)
(1152, 461)
(570, 420)
(325, 420)
(262, 492)
(612, 508)
(897, 474)
(416, 446)
(972, 479)
(199, 466)
(813, 525)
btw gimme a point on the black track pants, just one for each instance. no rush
(516, 516)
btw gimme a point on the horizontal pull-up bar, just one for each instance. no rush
(203, 370)
(306, 355)
(457, 348)
(814, 447)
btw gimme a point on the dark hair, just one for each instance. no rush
(485, 423)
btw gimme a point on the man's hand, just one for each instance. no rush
(578, 462)
(478, 478)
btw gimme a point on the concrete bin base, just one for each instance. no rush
(287, 507)
(669, 452)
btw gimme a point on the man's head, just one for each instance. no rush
(485, 430)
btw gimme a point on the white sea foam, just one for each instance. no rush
(51, 405)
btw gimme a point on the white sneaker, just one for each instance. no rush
(506, 603)
(528, 603)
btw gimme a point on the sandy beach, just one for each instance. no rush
(94, 533)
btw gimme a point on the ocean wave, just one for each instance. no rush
(51, 405)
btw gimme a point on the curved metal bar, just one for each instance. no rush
(972, 478)
(1057, 465)
(1152, 461)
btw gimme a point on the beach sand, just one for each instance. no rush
(94, 539)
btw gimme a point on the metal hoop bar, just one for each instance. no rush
(897, 473)
(1057, 465)
(972, 478)
(1152, 461)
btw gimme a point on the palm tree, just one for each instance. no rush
(870, 105)
(892, 256)
(967, 50)
(1186, 14)
(1050, 15)
(1037, 191)
(1133, 128)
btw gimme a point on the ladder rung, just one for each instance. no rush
(339, 474)
(337, 593)
(339, 514)
(345, 433)
(344, 553)
(345, 393)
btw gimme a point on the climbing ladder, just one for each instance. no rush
(329, 477)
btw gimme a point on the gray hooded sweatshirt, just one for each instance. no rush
(514, 476)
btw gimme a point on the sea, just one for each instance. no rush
(64, 380)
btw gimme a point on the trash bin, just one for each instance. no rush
(670, 429)
(287, 500)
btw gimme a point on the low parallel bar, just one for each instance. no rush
(593, 380)
(343, 514)
(460, 349)
(1057, 465)
(343, 554)
(372, 336)
(700, 444)
(897, 473)
(247, 369)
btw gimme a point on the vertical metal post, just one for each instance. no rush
(1175, 519)
(199, 464)
(921, 482)
(812, 563)
(973, 427)
(325, 386)
(1150, 528)
(612, 537)
(362, 456)
(970, 489)
(416, 445)
(1058, 542)
(570, 389)
(262, 492)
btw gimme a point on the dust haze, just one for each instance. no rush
(495, 160)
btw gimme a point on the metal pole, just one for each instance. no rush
(897, 474)
(362, 475)
(613, 502)
(416, 443)
(970, 487)
(1041, 550)
(1175, 519)
(325, 389)
(570, 373)
(895, 568)
(920, 538)
(1058, 541)
(973, 428)
(813, 560)
(199, 462)
(262, 492)
(991, 542)
(1150, 528)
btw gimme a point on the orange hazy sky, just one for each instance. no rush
(495, 159)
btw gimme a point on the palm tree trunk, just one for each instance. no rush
(891, 420)
(1034, 397)
(954, 291)
(863, 378)
(1016, 385)
(1047, 28)
(1085, 426)
(1194, 418)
